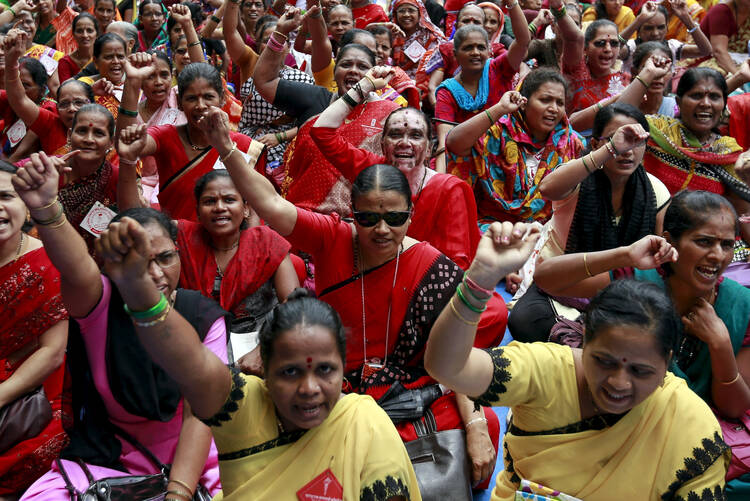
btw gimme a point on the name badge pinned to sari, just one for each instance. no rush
(97, 219)
(16, 132)
(324, 487)
(48, 61)
(415, 51)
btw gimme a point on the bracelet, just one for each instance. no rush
(439, 152)
(193, 44)
(583, 160)
(598, 106)
(475, 420)
(283, 134)
(151, 312)
(591, 157)
(732, 381)
(460, 317)
(151, 323)
(229, 154)
(277, 32)
(52, 220)
(12, 11)
(127, 113)
(372, 82)
(532, 28)
(62, 222)
(278, 137)
(182, 484)
(480, 299)
(473, 285)
(610, 149)
(124, 161)
(467, 303)
(349, 100)
(511, 6)
(638, 77)
(358, 89)
(691, 30)
(492, 122)
(559, 13)
(622, 40)
(179, 493)
(586, 265)
(215, 18)
(53, 202)
(611, 143)
(274, 45)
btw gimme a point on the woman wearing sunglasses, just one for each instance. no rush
(591, 70)
(387, 287)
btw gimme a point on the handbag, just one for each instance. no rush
(24, 418)
(737, 436)
(130, 487)
(440, 461)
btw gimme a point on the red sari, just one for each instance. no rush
(370, 13)
(445, 213)
(177, 174)
(53, 135)
(425, 282)
(258, 255)
(30, 304)
(310, 181)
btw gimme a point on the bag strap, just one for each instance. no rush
(72, 491)
(141, 448)
(425, 425)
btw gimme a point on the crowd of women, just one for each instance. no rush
(181, 180)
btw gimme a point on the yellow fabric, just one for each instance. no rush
(325, 78)
(357, 442)
(624, 19)
(638, 457)
(675, 28)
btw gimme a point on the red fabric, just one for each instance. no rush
(451, 13)
(719, 20)
(586, 90)
(370, 13)
(310, 181)
(445, 213)
(405, 86)
(53, 135)
(30, 304)
(67, 68)
(177, 174)
(739, 108)
(501, 81)
(259, 254)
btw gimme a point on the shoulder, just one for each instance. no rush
(162, 130)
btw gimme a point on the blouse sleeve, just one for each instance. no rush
(526, 374)
(313, 231)
(347, 158)
(216, 339)
(445, 105)
(300, 100)
(719, 21)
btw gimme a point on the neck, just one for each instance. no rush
(152, 106)
(83, 52)
(9, 248)
(82, 168)
(603, 73)
(652, 103)
(416, 176)
(684, 297)
(223, 243)
(470, 76)
(196, 136)
(369, 262)
(410, 32)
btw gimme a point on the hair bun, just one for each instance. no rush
(299, 293)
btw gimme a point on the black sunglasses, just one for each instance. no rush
(600, 44)
(392, 219)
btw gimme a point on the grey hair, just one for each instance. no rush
(130, 31)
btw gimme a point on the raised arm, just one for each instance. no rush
(564, 179)
(181, 14)
(655, 67)
(462, 138)
(520, 46)
(702, 45)
(36, 183)
(376, 78)
(321, 52)
(279, 213)
(584, 274)
(648, 10)
(450, 357)
(572, 36)
(15, 46)
(212, 23)
(234, 42)
(10, 13)
(266, 75)
(138, 67)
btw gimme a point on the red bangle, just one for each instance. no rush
(471, 284)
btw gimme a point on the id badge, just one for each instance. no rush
(97, 219)
(324, 487)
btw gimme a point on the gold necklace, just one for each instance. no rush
(18, 249)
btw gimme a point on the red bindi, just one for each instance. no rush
(309, 362)
(90, 124)
(624, 360)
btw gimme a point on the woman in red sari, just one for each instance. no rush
(388, 287)
(32, 339)
(321, 188)
(182, 153)
(422, 36)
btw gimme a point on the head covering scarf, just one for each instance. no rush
(427, 34)
(500, 16)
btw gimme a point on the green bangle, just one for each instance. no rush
(559, 13)
(532, 28)
(471, 293)
(278, 137)
(12, 11)
(215, 18)
(467, 303)
(127, 113)
(492, 122)
(583, 159)
(155, 310)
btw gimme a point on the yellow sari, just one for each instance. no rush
(667, 447)
(357, 442)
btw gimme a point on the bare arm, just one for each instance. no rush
(235, 44)
(285, 280)
(436, 78)
(266, 75)
(15, 46)
(655, 67)
(520, 46)
(334, 115)
(7, 15)
(442, 133)
(32, 372)
(584, 119)
(191, 453)
(462, 138)
(321, 51)
(210, 26)
(572, 36)
(181, 14)
(702, 44)
(740, 77)
(720, 44)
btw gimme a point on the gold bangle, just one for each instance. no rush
(586, 265)
(151, 323)
(460, 317)
(179, 494)
(593, 163)
(182, 484)
(62, 222)
(226, 157)
(638, 77)
(277, 32)
(732, 381)
(53, 202)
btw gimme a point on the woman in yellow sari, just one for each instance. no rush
(606, 422)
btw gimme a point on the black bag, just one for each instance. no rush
(24, 418)
(131, 487)
(440, 461)
(407, 405)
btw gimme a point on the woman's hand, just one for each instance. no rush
(481, 452)
(269, 140)
(651, 251)
(215, 125)
(655, 67)
(513, 282)
(703, 323)
(648, 11)
(140, 66)
(543, 18)
(396, 30)
(680, 9)
(742, 167)
(103, 87)
(290, 21)
(379, 76)
(511, 102)
(132, 141)
(628, 137)
(503, 249)
(250, 363)
(15, 46)
(126, 250)
(181, 14)
(37, 181)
